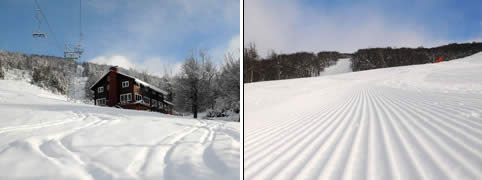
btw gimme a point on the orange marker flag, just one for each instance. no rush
(439, 60)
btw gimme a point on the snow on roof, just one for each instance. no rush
(145, 84)
(136, 80)
(169, 102)
(150, 86)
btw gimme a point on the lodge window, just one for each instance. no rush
(138, 97)
(100, 101)
(124, 98)
(100, 89)
(154, 103)
(107, 87)
(147, 100)
(125, 84)
(160, 104)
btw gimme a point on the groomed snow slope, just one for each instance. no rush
(412, 122)
(44, 137)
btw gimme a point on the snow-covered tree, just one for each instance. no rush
(194, 84)
(228, 84)
(2, 73)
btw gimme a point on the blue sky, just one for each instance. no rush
(347, 25)
(148, 34)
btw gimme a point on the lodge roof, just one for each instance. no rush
(138, 81)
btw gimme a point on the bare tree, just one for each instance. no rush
(229, 84)
(194, 82)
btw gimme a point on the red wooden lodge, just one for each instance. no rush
(119, 90)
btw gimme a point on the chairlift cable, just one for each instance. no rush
(48, 25)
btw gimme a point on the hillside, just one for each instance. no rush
(374, 58)
(42, 136)
(62, 75)
(310, 64)
(217, 97)
(409, 122)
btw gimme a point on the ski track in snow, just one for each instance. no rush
(376, 124)
(100, 143)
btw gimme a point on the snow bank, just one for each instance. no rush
(17, 74)
(42, 136)
(341, 66)
(412, 122)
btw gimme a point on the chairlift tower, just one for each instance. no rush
(73, 51)
(38, 34)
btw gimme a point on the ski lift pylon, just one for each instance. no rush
(38, 34)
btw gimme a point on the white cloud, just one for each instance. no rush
(170, 28)
(234, 44)
(121, 61)
(287, 27)
(157, 65)
(154, 23)
(230, 47)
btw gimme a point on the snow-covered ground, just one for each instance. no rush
(341, 66)
(412, 122)
(76, 90)
(44, 137)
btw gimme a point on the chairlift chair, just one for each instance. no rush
(39, 35)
